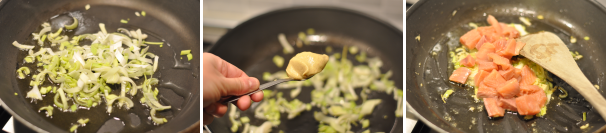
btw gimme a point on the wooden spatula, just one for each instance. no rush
(548, 50)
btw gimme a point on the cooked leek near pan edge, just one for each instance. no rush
(80, 74)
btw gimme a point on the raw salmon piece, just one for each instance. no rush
(540, 97)
(527, 105)
(487, 66)
(509, 31)
(460, 75)
(491, 34)
(509, 89)
(518, 74)
(501, 61)
(495, 24)
(499, 45)
(486, 30)
(529, 89)
(519, 46)
(509, 50)
(528, 77)
(481, 42)
(468, 61)
(493, 109)
(470, 39)
(508, 73)
(508, 103)
(486, 92)
(482, 54)
(494, 79)
(480, 76)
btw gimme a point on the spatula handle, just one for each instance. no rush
(590, 93)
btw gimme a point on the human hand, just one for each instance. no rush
(224, 79)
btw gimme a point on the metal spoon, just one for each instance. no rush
(228, 99)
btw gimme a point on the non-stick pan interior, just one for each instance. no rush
(252, 45)
(175, 23)
(439, 24)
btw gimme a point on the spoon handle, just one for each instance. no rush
(228, 99)
(548, 50)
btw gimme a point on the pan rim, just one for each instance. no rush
(288, 9)
(19, 118)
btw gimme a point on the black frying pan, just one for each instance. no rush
(176, 22)
(252, 45)
(439, 30)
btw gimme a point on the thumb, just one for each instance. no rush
(240, 85)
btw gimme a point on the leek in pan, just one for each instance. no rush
(80, 74)
(334, 93)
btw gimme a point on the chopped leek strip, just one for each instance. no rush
(584, 126)
(472, 25)
(56, 34)
(528, 117)
(565, 93)
(295, 92)
(361, 57)
(137, 14)
(102, 27)
(42, 39)
(16, 94)
(328, 49)
(83, 121)
(44, 90)
(311, 31)
(278, 60)
(446, 95)
(353, 50)
(576, 55)
(365, 123)
(87, 6)
(245, 119)
(74, 107)
(22, 47)
(73, 25)
(156, 119)
(123, 21)
(34, 93)
(185, 52)
(526, 21)
(189, 57)
(143, 13)
(29, 59)
(49, 110)
(584, 116)
(368, 106)
(586, 38)
(158, 43)
(302, 36)
(73, 128)
(22, 72)
(288, 49)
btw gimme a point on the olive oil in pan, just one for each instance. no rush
(135, 119)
